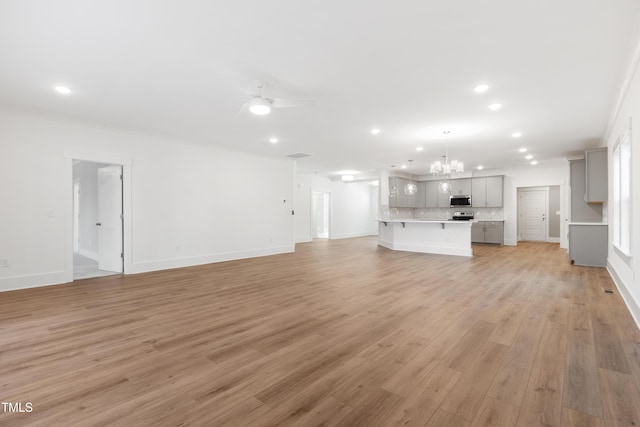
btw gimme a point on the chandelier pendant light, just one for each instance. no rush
(411, 188)
(445, 168)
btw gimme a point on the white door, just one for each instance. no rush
(110, 218)
(533, 210)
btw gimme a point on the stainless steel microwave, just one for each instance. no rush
(458, 200)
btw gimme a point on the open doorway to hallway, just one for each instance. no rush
(320, 215)
(97, 219)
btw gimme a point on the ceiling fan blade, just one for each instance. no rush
(243, 110)
(292, 103)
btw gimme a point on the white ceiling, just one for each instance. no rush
(176, 68)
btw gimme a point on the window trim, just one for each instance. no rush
(617, 203)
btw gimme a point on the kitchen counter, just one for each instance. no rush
(443, 236)
(432, 221)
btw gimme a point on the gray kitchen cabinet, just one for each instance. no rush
(461, 187)
(495, 191)
(402, 200)
(421, 195)
(581, 211)
(588, 244)
(433, 197)
(487, 232)
(431, 194)
(494, 232)
(487, 192)
(477, 232)
(596, 175)
(444, 199)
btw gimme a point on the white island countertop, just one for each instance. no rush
(444, 236)
(432, 221)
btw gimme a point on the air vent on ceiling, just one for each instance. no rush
(298, 155)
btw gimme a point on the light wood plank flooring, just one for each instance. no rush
(339, 333)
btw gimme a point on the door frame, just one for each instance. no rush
(546, 207)
(108, 158)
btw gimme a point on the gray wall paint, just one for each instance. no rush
(554, 206)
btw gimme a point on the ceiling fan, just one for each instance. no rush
(261, 103)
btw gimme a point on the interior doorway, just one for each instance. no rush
(97, 219)
(538, 215)
(320, 215)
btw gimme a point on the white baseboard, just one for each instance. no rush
(623, 289)
(350, 235)
(91, 255)
(32, 281)
(305, 239)
(165, 264)
(439, 250)
(553, 239)
(511, 242)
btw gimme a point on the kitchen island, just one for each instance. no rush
(427, 236)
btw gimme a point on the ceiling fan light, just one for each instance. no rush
(259, 106)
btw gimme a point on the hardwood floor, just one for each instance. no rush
(339, 333)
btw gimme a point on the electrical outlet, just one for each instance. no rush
(4, 262)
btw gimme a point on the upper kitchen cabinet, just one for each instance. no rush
(433, 197)
(596, 175)
(487, 192)
(421, 201)
(461, 187)
(401, 199)
(581, 211)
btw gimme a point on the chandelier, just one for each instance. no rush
(446, 168)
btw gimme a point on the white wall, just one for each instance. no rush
(185, 204)
(353, 207)
(626, 272)
(549, 173)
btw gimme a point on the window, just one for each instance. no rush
(622, 194)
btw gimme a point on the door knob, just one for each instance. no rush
(98, 224)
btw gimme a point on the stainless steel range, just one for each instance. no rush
(462, 216)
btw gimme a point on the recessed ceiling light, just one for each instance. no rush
(495, 107)
(273, 140)
(535, 162)
(62, 90)
(523, 150)
(403, 166)
(481, 88)
(419, 148)
(529, 157)
(375, 131)
(480, 167)
(516, 134)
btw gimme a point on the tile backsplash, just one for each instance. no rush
(439, 213)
